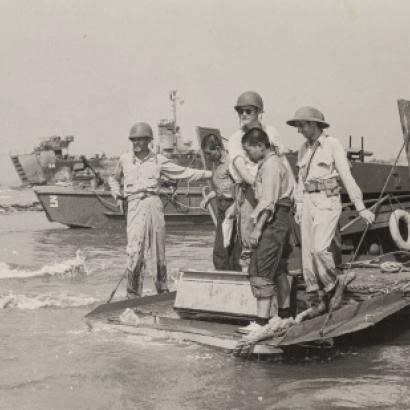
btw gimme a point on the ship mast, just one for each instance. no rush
(175, 99)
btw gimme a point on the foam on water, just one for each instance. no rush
(33, 302)
(69, 268)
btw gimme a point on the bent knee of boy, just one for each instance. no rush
(263, 288)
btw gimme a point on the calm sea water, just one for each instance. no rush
(51, 359)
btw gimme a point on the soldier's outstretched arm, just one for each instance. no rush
(173, 171)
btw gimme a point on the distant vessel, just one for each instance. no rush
(51, 164)
(97, 209)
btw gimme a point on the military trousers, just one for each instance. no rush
(145, 232)
(320, 217)
(269, 259)
(226, 258)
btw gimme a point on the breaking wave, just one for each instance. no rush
(70, 268)
(21, 199)
(33, 302)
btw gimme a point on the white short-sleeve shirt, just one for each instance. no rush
(235, 150)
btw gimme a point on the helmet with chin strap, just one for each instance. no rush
(141, 130)
(250, 98)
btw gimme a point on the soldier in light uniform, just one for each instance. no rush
(250, 107)
(322, 164)
(141, 170)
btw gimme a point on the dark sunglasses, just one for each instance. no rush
(139, 138)
(246, 111)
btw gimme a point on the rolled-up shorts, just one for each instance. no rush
(270, 258)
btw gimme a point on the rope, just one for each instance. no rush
(106, 203)
(179, 205)
(391, 267)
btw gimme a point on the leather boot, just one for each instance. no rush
(284, 313)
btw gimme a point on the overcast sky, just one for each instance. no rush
(91, 68)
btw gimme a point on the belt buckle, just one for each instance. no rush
(141, 195)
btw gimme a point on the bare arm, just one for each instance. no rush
(271, 185)
(174, 171)
(343, 168)
(257, 230)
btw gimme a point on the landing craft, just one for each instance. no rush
(95, 208)
(51, 163)
(209, 306)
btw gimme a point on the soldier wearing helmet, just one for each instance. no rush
(140, 171)
(322, 164)
(250, 107)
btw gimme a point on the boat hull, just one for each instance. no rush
(45, 168)
(97, 209)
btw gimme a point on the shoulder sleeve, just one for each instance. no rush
(271, 174)
(299, 185)
(119, 169)
(235, 150)
(272, 134)
(114, 180)
(235, 145)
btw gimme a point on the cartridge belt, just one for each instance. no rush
(141, 195)
(330, 186)
(314, 186)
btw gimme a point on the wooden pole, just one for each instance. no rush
(404, 112)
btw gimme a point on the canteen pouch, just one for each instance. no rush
(332, 187)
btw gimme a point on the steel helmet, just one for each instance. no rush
(250, 98)
(308, 114)
(141, 130)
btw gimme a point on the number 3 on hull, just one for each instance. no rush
(53, 201)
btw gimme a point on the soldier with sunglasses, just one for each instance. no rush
(250, 107)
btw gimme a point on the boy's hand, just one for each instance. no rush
(255, 236)
(120, 204)
(204, 203)
(298, 213)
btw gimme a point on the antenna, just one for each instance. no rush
(174, 99)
